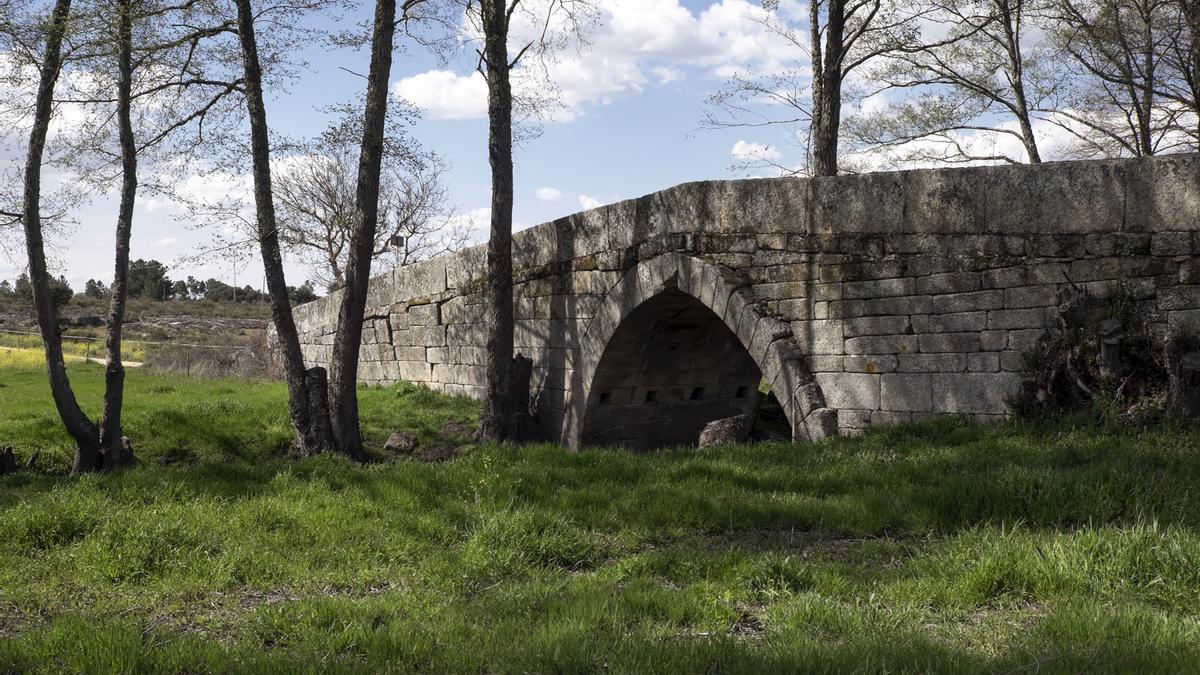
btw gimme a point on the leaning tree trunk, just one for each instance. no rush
(343, 375)
(114, 369)
(307, 409)
(496, 423)
(1012, 44)
(82, 430)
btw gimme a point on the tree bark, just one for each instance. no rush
(1012, 35)
(343, 376)
(81, 429)
(114, 369)
(1192, 11)
(496, 422)
(827, 86)
(309, 435)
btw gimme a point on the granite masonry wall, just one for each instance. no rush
(870, 299)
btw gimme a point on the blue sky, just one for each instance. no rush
(633, 99)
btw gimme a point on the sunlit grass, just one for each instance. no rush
(942, 547)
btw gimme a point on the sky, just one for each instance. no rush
(632, 99)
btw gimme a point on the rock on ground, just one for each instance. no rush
(724, 431)
(401, 442)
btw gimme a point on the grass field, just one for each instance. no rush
(942, 547)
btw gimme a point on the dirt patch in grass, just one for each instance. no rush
(829, 546)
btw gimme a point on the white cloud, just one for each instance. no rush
(636, 44)
(164, 242)
(549, 194)
(443, 94)
(589, 202)
(874, 104)
(743, 150)
(666, 74)
(476, 221)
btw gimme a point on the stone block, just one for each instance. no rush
(1179, 297)
(1188, 319)
(882, 344)
(906, 392)
(1163, 194)
(424, 315)
(984, 362)
(1084, 197)
(890, 418)
(870, 202)
(944, 201)
(838, 309)
(1049, 273)
(821, 424)
(973, 392)
(825, 363)
(876, 325)
(420, 280)
(1012, 361)
(967, 302)
(950, 282)
(931, 363)
(1003, 277)
(854, 421)
(1043, 295)
(375, 352)
(458, 310)
(846, 391)
(912, 304)
(1171, 243)
(959, 322)
(879, 288)
(933, 343)
(1005, 319)
(879, 363)
(819, 337)
(414, 371)
(1024, 340)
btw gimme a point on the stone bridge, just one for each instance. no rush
(869, 299)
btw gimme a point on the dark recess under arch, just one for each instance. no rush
(671, 367)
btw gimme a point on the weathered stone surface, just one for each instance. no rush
(726, 431)
(821, 423)
(907, 392)
(850, 390)
(861, 300)
(401, 443)
(972, 392)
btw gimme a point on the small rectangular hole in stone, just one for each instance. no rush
(605, 398)
(651, 396)
(698, 393)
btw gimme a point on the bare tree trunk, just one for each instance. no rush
(1192, 11)
(82, 430)
(114, 369)
(496, 422)
(308, 434)
(1146, 111)
(1012, 35)
(343, 376)
(827, 88)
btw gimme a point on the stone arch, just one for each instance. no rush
(767, 341)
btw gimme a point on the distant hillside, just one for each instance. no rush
(193, 321)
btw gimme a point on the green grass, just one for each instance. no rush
(936, 547)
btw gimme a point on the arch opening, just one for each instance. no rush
(671, 367)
